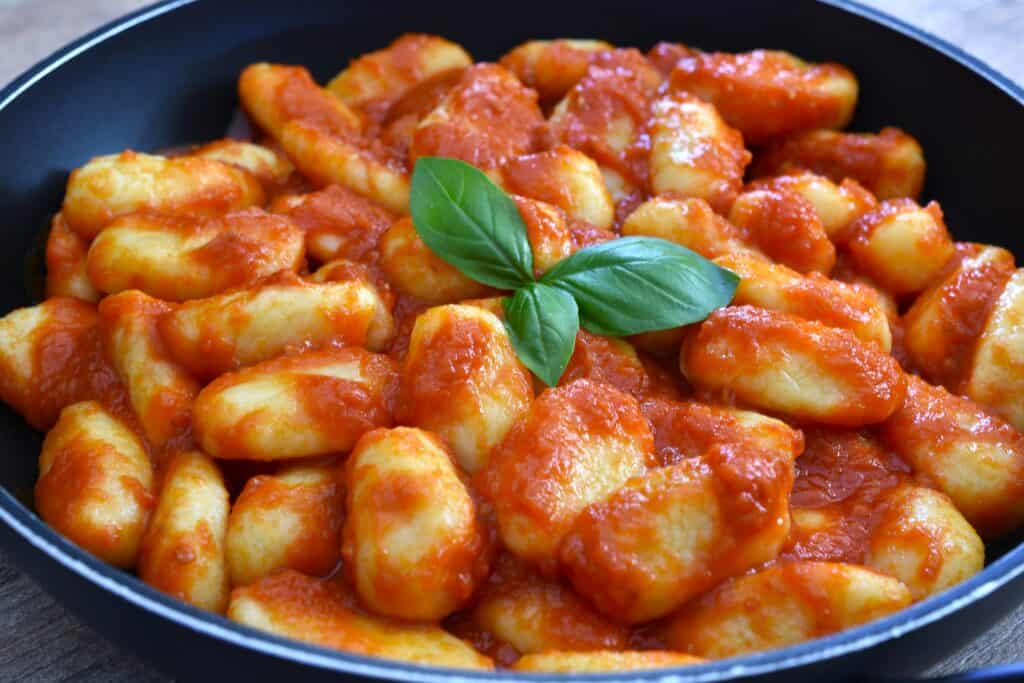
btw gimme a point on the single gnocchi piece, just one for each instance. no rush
(385, 75)
(804, 369)
(320, 134)
(117, 185)
(690, 223)
(178, 258)
(228, 331)
(51, 357)
(786, 227)
(418, 272)
(767, 93)
(574, 446)
(291, 519)
(414, 545)
(461, 379)
(338, 222)
(534, 614)
(974, 457)
(924, 541)
(274, 95)
(890, 164)
(323, 612)
(160, 390)
(664, 538)
(996, 377)
(487, 118)
(783, 605)
(65, 263)
(837, 205)
(600, 661)
(690, 429)
(271, 168)
(95, 483)
(552, 67)
(942, 327)
(327, 159)
(562, 177)
(309, 405)
(852, 307)
(183, 549)
(901, 246)
(604, 115)
(694, 153)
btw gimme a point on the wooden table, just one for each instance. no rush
(40, 641)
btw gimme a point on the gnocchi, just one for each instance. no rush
(110, 187)
(179, 258)
(291, 519)
(414, 544)
(300, 406)
(267, 396)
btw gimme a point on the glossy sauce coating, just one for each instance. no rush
(844, 478)
(379, 472)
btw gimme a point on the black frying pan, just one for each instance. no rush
(166, 76)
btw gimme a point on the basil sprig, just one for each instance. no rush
(617, 288)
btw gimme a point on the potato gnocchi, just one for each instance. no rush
(269, 398)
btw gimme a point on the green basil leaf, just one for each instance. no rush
(542, 322)
(470, 222)
(640, 284)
